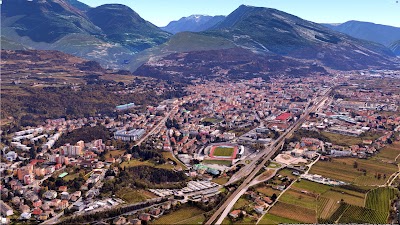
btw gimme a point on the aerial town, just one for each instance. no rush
(252, 147)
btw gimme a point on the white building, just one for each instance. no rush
(132, 135)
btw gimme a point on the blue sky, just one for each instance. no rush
(161, 12)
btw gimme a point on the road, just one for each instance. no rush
(267, 154)
(231, 204)
(161, 123)
(39, 182)
(288, 187)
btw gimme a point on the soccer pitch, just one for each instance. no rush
(223, 151)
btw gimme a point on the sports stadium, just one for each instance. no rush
(223, 152)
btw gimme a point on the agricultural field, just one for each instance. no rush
(274, 219)
(379, 199)
(390, 152)
(357, 214)
(326, 207)
(376, 210)
(348, 198)
(223, 151)
(345, 140)
(350, 170)
(327, 203)
(294, 212)
(185, 215)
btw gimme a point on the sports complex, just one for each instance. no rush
(223, 151)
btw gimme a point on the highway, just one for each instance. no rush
(266, 155)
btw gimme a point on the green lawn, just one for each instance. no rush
(71, 176)
(115, 153)
(185, 215)
(351, 199)
(274, 165)
(223, 151)
(133, 195)
(311, 186)
(168, 155)
(287, 173)
(136, 162)
(211, 120)
(242, 202)
(218, 162)
(221, 180)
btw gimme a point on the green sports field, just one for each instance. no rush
(223, 151)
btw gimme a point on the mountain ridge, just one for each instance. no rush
(379, 33)
(57, 25)
(193, 23)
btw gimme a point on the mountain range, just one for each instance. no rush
(193, 23)
(382, 34)
(273, 32)
(109, 34)
(117, 37)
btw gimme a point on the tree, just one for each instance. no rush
(274, 197)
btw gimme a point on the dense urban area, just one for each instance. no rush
(243, 151)
(256, 116)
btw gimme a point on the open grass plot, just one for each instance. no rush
(300, 199)
(133, 195)
(268, 191)
(311, 187)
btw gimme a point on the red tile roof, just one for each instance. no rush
(284, 116)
